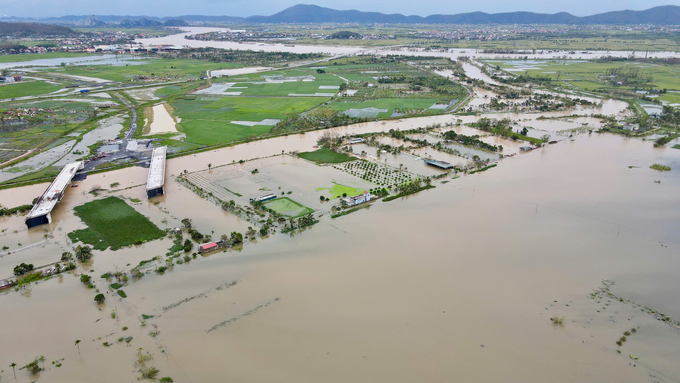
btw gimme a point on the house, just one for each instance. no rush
(439, 164)
(206, 247)
(356, 200)
(631, 127)
(525, 148)
(264, 198)
(356, 141)
(6, 284)
(17, 77)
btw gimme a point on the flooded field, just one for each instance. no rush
(286, 176)
(162, 121)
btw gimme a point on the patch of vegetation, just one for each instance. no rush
(483, 169)
(112, 222)
(326, 156)
(122, 294)
(661, 168)
(13, 210)
(408, 189)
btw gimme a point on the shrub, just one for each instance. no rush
(99, 298)
(149, 373)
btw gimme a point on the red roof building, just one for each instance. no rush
(207, 247)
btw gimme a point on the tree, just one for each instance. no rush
(236, 237)
(83, 253)
(209, 166)
(13, 365)
(99, 298)
(23, 268)
(85, 279)
(187, 223)
(545, 138)
(187, 246)
(525, 131)
(78, 345)
(33, 367)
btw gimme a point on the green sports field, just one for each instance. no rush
(288, 207)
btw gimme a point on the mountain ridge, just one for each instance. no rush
(307, 14)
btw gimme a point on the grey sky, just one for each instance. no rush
(45, 8)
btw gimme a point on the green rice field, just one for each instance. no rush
(112, 222)
(208, 120)
(156, 68)
(389, 104)
(32, 88)
(586, 74)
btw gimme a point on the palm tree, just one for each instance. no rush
(78, 344)
(13, 370)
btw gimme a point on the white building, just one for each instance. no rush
(356, 200)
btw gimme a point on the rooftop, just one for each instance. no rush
(157, 169)
(55, 191)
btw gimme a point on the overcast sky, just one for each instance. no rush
(46, 8)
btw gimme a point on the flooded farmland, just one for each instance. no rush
(468, 274)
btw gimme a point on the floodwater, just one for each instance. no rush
(461, 279)
(107, 129)
(37, 162)
(162, 121)
(108, 59)
(179, 40)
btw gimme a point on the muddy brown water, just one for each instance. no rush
(408, 290)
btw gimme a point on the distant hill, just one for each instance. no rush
(663, 15)
(175, 23)
(91, 21)
(307, 14)
(33, 30)
(141, 23)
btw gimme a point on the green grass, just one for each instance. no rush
(338, 190)
(32, 88)
(207, 120)
(326, 156)
(174, 90)
(258, 88)
(168, 68)
(676, 146)
(391, 104)
(584, 74)
(112, 222)
(288, 207)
